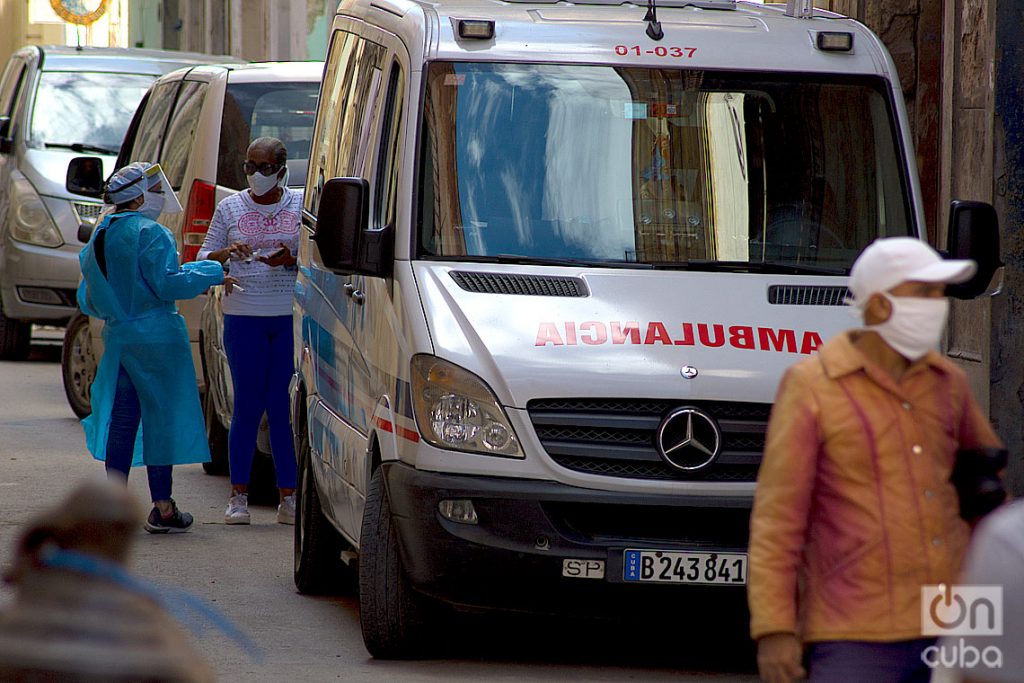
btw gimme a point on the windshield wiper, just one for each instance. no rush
(751, 267)
(82, 147)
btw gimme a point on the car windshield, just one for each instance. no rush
(85, 111)
(625, 166)
(282, 110)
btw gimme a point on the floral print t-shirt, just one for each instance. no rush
(264, 227)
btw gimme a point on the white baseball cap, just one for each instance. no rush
(890, 261)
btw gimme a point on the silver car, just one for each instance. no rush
(57, 103)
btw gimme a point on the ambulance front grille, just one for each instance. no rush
(616, 437)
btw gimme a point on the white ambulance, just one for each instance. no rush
(559, 256)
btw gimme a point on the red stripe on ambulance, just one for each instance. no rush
(710, 335)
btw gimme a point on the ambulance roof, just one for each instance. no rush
(738, 36)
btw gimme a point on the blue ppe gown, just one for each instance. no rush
(146, 335)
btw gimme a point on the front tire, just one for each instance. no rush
(392, 614)
(318, 545)
(15, 337)
(78, 365)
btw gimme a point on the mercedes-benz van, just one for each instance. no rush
(559, 256)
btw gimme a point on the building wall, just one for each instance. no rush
(962, 69)
(258, 30)
(16, 31)
(1007, 155)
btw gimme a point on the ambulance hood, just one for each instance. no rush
(627, 333)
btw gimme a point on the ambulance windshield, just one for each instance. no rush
(673, 168)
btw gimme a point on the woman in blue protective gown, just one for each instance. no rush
(131, 279)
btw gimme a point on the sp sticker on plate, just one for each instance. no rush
(583, 569)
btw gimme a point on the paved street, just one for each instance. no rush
(246, 572)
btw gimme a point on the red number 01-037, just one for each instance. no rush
(660, 51)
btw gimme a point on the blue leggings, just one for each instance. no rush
(259, 350)
(125, 417)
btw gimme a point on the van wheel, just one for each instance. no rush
(393, 616)
(318, 545)
(15, 337)
(216, 435)
(78, 365)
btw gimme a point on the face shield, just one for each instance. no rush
(142, 179)
(158, 197)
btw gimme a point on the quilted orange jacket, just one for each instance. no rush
(854, 510)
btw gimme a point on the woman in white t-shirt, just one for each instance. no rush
(256, 233)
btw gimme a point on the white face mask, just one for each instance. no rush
(264, 184)
(915, 325)
(152, 205)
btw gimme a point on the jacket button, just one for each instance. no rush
(936, 541)
(917, 450)
(906, 405)
(929, 494)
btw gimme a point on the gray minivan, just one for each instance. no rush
(57, 103)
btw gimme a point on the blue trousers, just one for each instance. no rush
(863, 662)
(125, 417)
(259, 351)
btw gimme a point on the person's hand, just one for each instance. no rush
(230, 284)
(239, 250)
(281, 257)
(779, 657)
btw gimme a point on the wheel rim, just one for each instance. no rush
(82, 364)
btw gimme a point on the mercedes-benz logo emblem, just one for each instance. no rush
(689, 439)
(688, 371)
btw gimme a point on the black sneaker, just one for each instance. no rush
(178, 523)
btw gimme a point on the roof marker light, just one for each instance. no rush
(835, 41)
(475, 29)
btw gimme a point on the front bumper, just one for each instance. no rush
(38, 283)
(512, 559)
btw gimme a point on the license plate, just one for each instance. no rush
(583, 569)
(664, 566)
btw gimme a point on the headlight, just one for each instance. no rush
(456, 410)
(30, 221)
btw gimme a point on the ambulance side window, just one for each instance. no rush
(360, 90)
(346, 108)
(323, 153)
(388, 157)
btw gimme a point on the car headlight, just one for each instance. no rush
(456, 410)
(29, 220)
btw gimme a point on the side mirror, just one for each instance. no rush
(85, 232)
(345, 243)
(6, 144)
(85, 176)
(974, 234)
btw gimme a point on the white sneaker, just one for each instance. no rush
(286, 510)
(238, 510)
